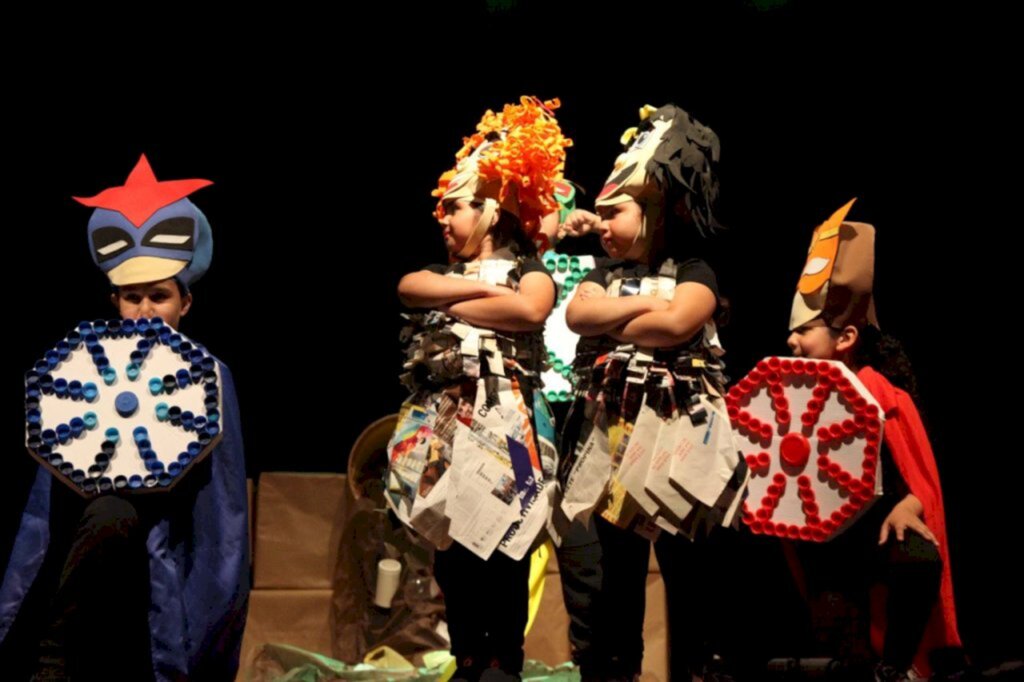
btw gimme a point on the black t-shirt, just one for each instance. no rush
(693, 270)
(527, 265)
(607, 269)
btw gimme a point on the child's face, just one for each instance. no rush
(815, 342)
(152, 299)
(819, 342)
(459, 222)
(619, 227)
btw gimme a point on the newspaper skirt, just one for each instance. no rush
(648, 445)
(473, 463)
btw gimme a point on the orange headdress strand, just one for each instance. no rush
(516, 157)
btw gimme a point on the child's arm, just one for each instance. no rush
(692, 305)
(425, 289)
(523, 311)
(906, 514)
(592, 313)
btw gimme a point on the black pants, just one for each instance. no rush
(840, 575)
(604, 573)
(96, 624)
(487, 605)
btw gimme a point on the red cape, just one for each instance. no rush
(911, 451)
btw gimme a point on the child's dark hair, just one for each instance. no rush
(886, 355)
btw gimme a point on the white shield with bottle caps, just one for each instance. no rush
(811, 434)
(123, 406)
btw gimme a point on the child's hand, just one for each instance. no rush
(906, 514)
(578, 223)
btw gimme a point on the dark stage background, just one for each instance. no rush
(324, 152)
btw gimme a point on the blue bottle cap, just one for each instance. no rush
(60, 387)
(156, 386)
(132, 371)
(161, 411)
(120, 482)
(113, 435)
(63, 433)
(139, 433)
(91, 420)
(75, 390)
(126, 403)
(90, 391)
(109, 375)
(134, 481)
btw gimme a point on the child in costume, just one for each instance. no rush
(646, 449)
(132, 587)
(472, 457)
(900, 542)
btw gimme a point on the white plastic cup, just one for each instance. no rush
(389, 571)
